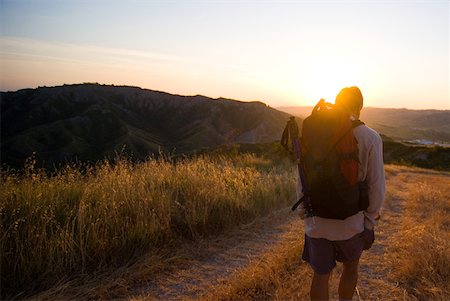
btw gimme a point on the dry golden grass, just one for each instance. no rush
(412, 250)
(420, 253)
(74, 222)
(412, 254)
(409, 261)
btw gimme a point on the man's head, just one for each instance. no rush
(351, 100)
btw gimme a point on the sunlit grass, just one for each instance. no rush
(80, 220)
(419, 256)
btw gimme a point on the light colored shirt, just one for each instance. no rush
(371, 168)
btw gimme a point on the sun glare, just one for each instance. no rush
(326, 78)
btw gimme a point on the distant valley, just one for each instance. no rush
(418, 126)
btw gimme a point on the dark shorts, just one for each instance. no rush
(322, 253)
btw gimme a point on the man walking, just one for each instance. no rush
(328, 240)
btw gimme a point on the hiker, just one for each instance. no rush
(343, 238)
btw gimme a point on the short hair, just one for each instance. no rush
(350, 98)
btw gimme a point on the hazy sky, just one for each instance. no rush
(279, 52)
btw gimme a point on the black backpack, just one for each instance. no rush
(329, 164)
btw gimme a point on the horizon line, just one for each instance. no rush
(193, 95)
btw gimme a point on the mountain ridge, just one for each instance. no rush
(92, 121)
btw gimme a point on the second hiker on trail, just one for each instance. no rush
(341, 190)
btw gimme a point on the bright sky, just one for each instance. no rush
(284, 53)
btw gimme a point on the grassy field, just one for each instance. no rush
(82, 220)
(59, 228)
(409, 260)
(420, 252)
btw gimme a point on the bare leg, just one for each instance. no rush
(319, 286)
(348, 281)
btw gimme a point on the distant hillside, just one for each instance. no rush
(399, 124)
(433, 157)
(91, 121)
(424, 156)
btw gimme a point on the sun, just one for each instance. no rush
(325, 78)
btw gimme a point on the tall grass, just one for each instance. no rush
(76, 221)
(420, 257)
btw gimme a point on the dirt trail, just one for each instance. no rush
(227, 255)
(245, 246)
(373, 281)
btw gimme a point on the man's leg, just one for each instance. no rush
(348, 281)
(319, 286)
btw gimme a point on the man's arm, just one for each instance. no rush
(376, 182)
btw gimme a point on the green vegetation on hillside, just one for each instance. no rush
(432, 157)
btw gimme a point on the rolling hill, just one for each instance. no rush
(89, 122)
